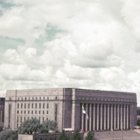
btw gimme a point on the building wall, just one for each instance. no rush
(105, 110)
(2, 104)
(23, 105)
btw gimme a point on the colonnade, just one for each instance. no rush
(100, 117)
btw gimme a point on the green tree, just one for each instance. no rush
(63, 136)
(34, 125)
(8, 135)
(47, 126)
(29, 126)
(90, 136)
(77, 136)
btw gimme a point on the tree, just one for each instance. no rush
(29, 126)
(63, 136)
(48, 126)
(34, 125)
(77, 136)
(90, 136)
(8, 135)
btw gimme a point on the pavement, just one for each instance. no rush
(118, 135)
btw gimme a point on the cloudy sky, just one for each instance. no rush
(70, 43)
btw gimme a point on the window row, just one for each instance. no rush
(32, 112)
(35, 98)
(32, 105)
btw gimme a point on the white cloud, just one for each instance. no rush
(96, 44)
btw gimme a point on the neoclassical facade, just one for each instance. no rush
(80, 109)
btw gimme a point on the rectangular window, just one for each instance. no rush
(39, 105)
(32, 105)
(21, 105)
(47, 105)
(25, 105)
(43, 105)
(28, 105)
(18, 105)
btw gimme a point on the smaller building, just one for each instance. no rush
(2, 106)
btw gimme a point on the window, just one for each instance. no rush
(20, 119)
(28, 105)
(18, 105)
(25, 105)
(47, 105)
(32, 105)
(21, 105)
(17, 119)
(39, 105)
(43, 105)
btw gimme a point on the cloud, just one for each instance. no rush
(68, 43)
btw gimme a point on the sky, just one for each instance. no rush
(92, 44)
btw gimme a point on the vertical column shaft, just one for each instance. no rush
(101, 116)
(108, 117)
(121, 116)
(93, 116)
(105, 117)
(86, 118)
(97, 126)
(82, 121)
(90, 117)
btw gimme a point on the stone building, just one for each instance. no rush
(2, 103)
(81, 109)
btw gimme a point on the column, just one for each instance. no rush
(82, 121)
(105, 117)
(86, 117)
(90, 117)
(114, 116)
(127, 117)
(101, 116)
(118, 116)
(124, 117)
(121, 117)
(111, 117)
(108, 117)
(93, 116)
(97, 126)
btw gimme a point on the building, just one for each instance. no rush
(138, 113)
(81, 109)
(2, 104)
